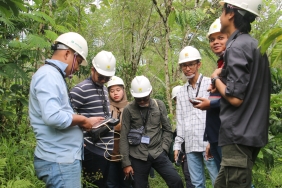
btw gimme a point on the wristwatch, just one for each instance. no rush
(213, 80)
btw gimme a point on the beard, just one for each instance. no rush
(144, 105)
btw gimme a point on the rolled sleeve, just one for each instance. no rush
(215, 103)
(238, 73)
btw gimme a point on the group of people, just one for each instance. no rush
(223, 120)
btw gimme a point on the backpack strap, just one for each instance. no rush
(159, 110)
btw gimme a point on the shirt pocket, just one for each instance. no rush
(155, 118)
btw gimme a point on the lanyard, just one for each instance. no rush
(102, 97)
(198, 86)
(62, 74)
(145, 119)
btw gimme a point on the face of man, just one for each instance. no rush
(143, 101)
(190, 69)
(73, 60)
(98, 78)
(217, 42)
(226, 21)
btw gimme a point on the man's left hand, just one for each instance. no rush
(204, 105)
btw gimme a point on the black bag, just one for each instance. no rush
(103, 128)
(134, 136)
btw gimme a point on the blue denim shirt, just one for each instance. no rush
(50, 116)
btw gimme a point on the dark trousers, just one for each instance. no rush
(186, 173)
(95, 169)
(236, 166)
(161, 164)
(216, 153)
(116, 176)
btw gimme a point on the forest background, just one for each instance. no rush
(145, 37)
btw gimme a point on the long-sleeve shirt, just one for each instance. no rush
(191, 121)
(157, 128)
(246, 75)
(50, 116)
(91, 100)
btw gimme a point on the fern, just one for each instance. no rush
(7, 22)
(50, 35)
(19, 184)
(36, 41)
(47, 18)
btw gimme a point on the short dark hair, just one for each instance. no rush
(242, 23)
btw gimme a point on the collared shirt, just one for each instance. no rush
(91, 100)
(157, 128)
(191, 121)
(50, 116)
(246, 75)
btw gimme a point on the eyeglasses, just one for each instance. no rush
(102, 77)
(190, 65)
(145, 99)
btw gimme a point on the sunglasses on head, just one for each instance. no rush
(145, 99)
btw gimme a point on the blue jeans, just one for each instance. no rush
(216, 153)
(57, 175)
(196, 161)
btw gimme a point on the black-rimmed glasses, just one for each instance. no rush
(190, 65)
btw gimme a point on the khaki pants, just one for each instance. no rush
(236, 166)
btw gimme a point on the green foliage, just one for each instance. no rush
(10, 7)
(273, 37)
(16, 160)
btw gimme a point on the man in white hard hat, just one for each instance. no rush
(244, 84)
(58, 153)
(146, 137)
(183, 160)
(190, 120)
(90, 98)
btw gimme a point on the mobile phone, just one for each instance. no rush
(195, 101)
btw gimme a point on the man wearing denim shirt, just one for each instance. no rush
(57, 129)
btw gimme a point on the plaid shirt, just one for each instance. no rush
(191, 121)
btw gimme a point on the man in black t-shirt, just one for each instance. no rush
(244, 84)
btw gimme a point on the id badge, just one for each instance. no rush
(145, 139)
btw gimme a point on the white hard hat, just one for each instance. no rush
(174, 92)
(189, 53)
(105, 63)
(252, 6)
(215, 27)
(76, 42)
(140, 87)
(115, 81)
